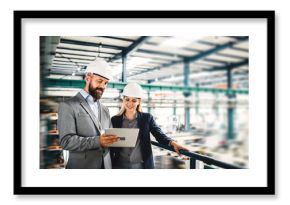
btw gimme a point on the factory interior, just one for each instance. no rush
(196, 88)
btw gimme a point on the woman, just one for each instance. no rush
(131, 116)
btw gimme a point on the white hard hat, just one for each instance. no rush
(100, 67)
(133, 90)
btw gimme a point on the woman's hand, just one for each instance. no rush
(178, 147)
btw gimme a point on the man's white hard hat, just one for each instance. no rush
(133, 90)
(100, 67)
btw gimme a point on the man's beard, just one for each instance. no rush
(95, 94)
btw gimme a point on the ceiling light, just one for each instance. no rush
(137, 61)
(179, 41)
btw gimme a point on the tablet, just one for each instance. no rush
(128, 136)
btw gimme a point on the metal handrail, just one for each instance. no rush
(194, 156)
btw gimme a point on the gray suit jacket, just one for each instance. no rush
(79, 131)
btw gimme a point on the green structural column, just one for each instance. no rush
(197, 99)
(149, 98)
(231, 107)
(186, 94)
(174, 107)
(149, 102)
(124, 71)
(124, 68)
(216, 105)
(187, 118)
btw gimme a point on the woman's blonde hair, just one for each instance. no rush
(122, 110)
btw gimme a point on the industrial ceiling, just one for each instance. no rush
(155, 59)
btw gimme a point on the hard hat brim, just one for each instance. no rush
(138, 97)
(101, 76)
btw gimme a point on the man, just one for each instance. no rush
(82, 119)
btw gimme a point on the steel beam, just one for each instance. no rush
(75, 58)
(117, 38)
(240, 49)
(74, 54)
(246, 78)
(63, 83)
(199, 56)
(82, 43)
(160, 53)
(214, 50)
(229, 66)
(231, 56)
(216, 68)
(84, 50)
(223, 62)
(133, 47)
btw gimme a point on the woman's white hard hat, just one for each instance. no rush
(100, 67)
(133, 90)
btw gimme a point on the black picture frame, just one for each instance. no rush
(269, 16)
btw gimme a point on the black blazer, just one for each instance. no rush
(147, 125)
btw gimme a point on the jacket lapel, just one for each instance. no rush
(88, 109)
(139, 119)
(140, 123)
(119, 121)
